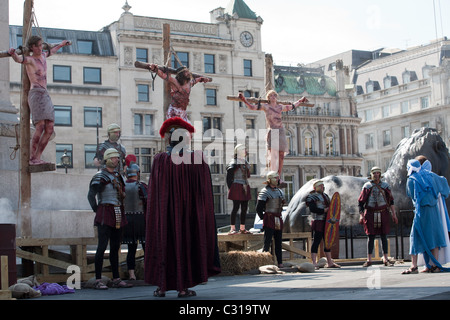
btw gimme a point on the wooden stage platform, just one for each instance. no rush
(75, 252)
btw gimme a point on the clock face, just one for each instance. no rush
(246, 39)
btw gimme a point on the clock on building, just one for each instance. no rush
(246, 39)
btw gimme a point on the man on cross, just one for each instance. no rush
(41, 106)
(276, 148)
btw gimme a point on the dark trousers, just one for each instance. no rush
(131, 255)
(278, 237)
(114, 237)
(318, 236)
(371, 240)
(236, 205)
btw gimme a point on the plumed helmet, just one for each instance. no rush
(317, 183)
(375, 169)
(238, 147)
(113, 127)
(133, 170)
(175, 123)
(110, 153)
(271, 175)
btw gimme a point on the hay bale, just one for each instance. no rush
(237, 262)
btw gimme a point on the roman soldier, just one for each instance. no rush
(112, 142)
(181, 238)
(269, 208)
(375, 203)
(238, 172)
(318, 203)
(135, 207)
(106, 195)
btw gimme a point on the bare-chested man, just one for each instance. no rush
(180, 86)
(276, 148)
(41, 106)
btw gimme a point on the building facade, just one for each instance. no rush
(94, 83)
(399, 93)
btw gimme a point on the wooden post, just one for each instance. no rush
(167, 63)
(25, 175)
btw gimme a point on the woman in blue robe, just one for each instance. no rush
(429, 231)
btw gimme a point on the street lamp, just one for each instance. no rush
(65, 160)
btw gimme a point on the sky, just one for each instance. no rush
(293, 31)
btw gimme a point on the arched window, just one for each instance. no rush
(308, 144)
(329, 144)
(290, 142)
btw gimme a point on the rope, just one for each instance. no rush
(13, 154)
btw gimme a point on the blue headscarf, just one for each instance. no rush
(422, 175)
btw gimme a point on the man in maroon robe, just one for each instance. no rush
(181, 238)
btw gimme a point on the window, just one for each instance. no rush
(368, 114)
(369, 140)
(89, 155)
(210, 63)
(385, 111)
(370, 165)
(62, 73)
(92, 75)
(210, 123)
(142, 54)
(211, 97)
(215, 161)
(60, 150)
(19, 40)
(405, 132)
(63, 116)
(218, 195)
(290, 142)
(52, 40)
(85, 46)
(289, 191)
(329, 144)
(143, 93)
(386, 137)
(248, 72)
(144, 157)
(424, 102)
(143, 124)
(405, 107)
(93, 117)
(308, 144)
(184, 58)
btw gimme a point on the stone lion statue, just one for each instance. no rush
(424, 141)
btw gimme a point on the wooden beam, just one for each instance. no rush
(42, 259)
(5, 273)
(42, 167)
(256, 100)
(25, 175)
(143, 65)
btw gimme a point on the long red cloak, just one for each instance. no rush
(181, 237)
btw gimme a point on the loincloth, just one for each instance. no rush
(280, 144)
(41, 106)
(177, 112)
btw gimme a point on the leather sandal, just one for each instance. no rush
(411, 270)
(98, 285)
(118, 283)
(187, 293)
(159, 293)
